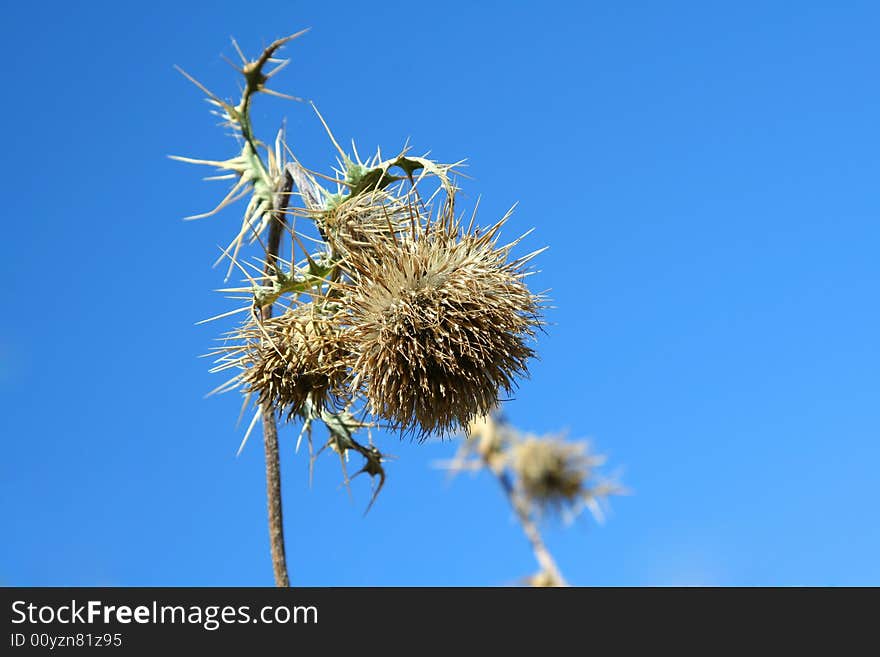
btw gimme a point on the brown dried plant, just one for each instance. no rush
(295, 361)
(440, 319)
(396, 308)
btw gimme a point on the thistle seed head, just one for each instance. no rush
(554, 473)
(356, 224)
(292, 359)
(439, 323)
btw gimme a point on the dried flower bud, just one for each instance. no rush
(553, 473)
(291, 359)
(440, 321)
(355, 225)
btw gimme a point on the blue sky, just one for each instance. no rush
(705, 174)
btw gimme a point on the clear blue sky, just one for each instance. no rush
(707, 176)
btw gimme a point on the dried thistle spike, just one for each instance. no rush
(439, 323)
(557, 475)
(294, 361)
(355, 225)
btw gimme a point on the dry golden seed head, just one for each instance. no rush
(357, 223)
(440, 321)
(296, 357)
(552, 472)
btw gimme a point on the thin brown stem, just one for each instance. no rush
(270, 425)
(273, 496)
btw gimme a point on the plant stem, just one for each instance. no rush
(273, 496)
(542, 554)
(270, 426)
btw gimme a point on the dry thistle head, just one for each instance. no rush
(439, 323)
(296, 358)
(357, 223)
(553, 473)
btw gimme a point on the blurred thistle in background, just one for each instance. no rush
(541, 477)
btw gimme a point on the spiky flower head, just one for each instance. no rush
(556, 474)
(297, 359)
(440, 321)
(357, 224)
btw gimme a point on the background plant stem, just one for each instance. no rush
(542, 554)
